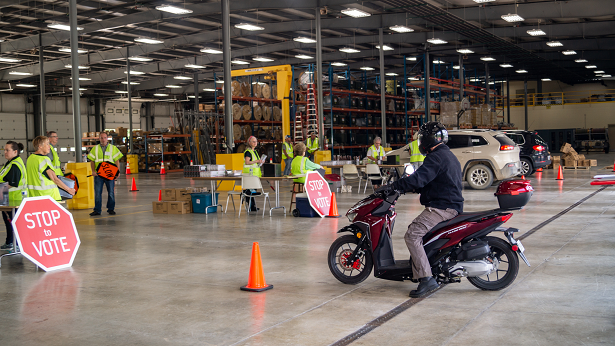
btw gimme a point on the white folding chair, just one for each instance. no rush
(373, 173)
(253, 183)
(231, 194)
(350, 172)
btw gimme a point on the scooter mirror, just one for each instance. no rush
(408, 169)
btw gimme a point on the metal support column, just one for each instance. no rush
(97, 117)
(129, 100)
(318, 77)
(508, 98)
(42, 107)
(525, 101)
(226, 57)
(427, 90)
(74, 44)
(196, 89)
(487, 97)
(383, 106)
(462, 77)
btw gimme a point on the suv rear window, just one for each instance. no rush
(458, 141)
(504, 140)
(516, 137)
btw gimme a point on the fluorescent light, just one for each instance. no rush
(512, 18)
(536, 32)
(161, 95)
(80, 89)
(138, 58)
(121, 92)
(61, 26)
(546, 79)
(590, 66)
(262, 59)
(193, 66)
(211, 51)
(598, 71)
(248, 26)
(17, 73)
(303, 56)
(481, 1)
(385, 47)
(580, 60)
(456, 67)
(367, 68)
(569, 52)
(131, 83)
(349, 50)
(411, 58)
(606, 76)
(521, 71)
(393, 74)
(554, 44)
(192, 96)
(506, 65)
(401, 28)
(413, 78)
(80, 67)
(304, 40)
(355, 12)
(173, 9)
(220, 81)
(9, 60)
(436, 41)
(338, 64)
(171, 86)
(148, 40)
(465, 51)
(239, 62)
(82, 78)
(183, 77)
(487, 58)
(134, 72)
(67, 50)
(26, 85)
(209, 89)
(439, 62)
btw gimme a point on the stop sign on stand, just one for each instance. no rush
(46, 233)
(318, 192)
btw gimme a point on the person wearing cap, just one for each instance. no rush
(251, 166)
(287, 154)
(312, 145)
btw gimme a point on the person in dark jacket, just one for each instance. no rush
(438, 181)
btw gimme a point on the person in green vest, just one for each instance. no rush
(14, 173)
(53, 153)
(312, 145)
(287, 154)
(376, 151)
(104, 152)
(301, 164)
(251, 166)
(41, 178)
(416, 158)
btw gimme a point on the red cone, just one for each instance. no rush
(134, 186)
(560, 174)
(162, 170)
(256, 278)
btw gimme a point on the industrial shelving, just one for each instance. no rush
(160, 157)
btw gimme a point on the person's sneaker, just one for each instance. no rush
(426, 285)
(111, 212)
(94, 213)
(6, 247)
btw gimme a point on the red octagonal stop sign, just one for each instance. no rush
(319, 194)
(46, 233)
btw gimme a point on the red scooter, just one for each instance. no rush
(456, 248)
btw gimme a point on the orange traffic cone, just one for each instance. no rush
(523, 177)
(127, 167)
(134, 186)
(613, 166)
(560, 174)
(333, 209)
(162, 170)
(539, 170)
(159, 195)
(256, 280)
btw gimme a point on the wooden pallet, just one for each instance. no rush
(576, 167)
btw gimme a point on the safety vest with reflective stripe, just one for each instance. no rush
(298, 167)
(312, 145)
(111, 154)
(287, 151)
(56, 161)
(38, 183)
(256, 170)
(376, 152)
(15, 193)
(415, 153)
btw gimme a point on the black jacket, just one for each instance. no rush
(438, 180)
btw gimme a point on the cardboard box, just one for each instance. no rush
(555, 159)
(593, 163)
(585, 163)
(581, 157)
(570, 162)
(183, 195)
(160, 207)
(179, 207)
(566, 148)
(555, 166)
(169, 195)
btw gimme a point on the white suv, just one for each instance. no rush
(485, 156)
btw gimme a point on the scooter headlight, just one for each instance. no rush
(351, 216)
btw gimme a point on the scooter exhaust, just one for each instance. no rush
(473, 268)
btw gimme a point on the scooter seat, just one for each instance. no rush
(460, 218)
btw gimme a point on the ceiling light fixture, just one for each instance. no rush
(304, 40)
(580, 60)
(220, 81)
(606, 76)
(521, 71)
(465, 51)
(161, 95)
(355, 12)
(487, 58)
(193, 66)
(554, 44)
(456, 67)
(506, 65)
(138, 58)
(569, 52)
(249, 27)
(436, 41)
(411, 58)
(481, 1)
(367, 68)
(82, 78)
(121, 92)
(80, 67)
(303, 56)
(9, 60)
(17, 73)
(131, 83)
(80, 89)
(385, 47)
(239, 62)
(211, 51)
(171, 86)
(545, 79)
(134, 72)
(511, 18)
(338, 64)
(349, 50)
(67, 50)
(183, 77)
(590, 66)
(148, 40)
(536, 32)
(598, 71)
(401, 28)
(392, 74)
(262, 59)
(439, 62)
(26, 85)
(60, 26)
(209, 89)
(173, 9)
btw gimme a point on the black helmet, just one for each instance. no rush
(430, 135)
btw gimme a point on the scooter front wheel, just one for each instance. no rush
(346, 271)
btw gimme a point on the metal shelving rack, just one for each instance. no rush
(162, 154)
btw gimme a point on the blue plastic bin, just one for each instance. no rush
(200, 202)
(305, 209)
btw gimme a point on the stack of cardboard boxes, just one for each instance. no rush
(571, 158)
(176, 201)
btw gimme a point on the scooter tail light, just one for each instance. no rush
(504, 218)
(539, 148)
(506, 147)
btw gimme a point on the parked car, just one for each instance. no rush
(485, 156)
(534, 150)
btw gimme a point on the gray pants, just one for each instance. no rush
(287, 163)
(414, 238)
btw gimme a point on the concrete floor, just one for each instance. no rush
(145, 279)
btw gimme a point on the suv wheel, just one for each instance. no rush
(526, 167)
(479, 177)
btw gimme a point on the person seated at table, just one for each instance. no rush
(251, 166)
(301, 164)
(375, 153)
(41, 177)
(13, 173)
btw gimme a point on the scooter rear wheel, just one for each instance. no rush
(508, 267)
(343, 270)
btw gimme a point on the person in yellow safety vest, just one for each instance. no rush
(312, 145)
(14, 173)
(53, 153)
(251, 166)
(287, 154)
(41, 178)
(376, 151)
(416, 158)
(301, 164)
(104, 152)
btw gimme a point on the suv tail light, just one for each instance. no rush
(539, 148)
(507, 147)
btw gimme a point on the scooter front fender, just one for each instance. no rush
(361, 231)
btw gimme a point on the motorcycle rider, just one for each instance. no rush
(438, 181)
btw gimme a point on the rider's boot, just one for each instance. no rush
(426, 285)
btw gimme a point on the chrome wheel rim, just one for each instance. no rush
(525, 167)
(480, 177)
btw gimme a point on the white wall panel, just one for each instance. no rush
(12, 103)
(12, 126)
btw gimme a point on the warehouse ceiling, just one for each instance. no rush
(110, 27)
